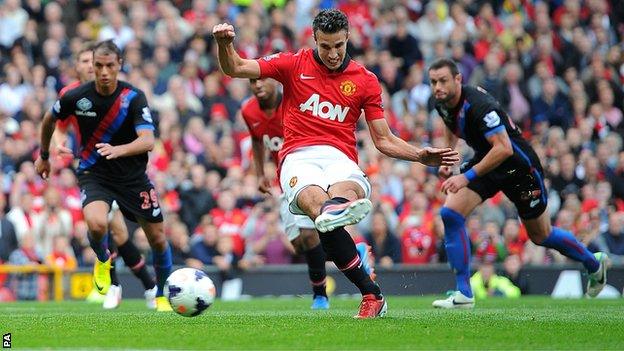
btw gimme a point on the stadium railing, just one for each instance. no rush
(57, 275)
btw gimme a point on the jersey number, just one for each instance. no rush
(149, 199)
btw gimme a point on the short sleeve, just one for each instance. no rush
(490, 123)
(372, 104)
(140, 112)
(276, 66)
(61, 108)
(247, 119)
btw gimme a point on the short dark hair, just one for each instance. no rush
(330, 21)
(87, 46)
(107, 47)
(445, 62)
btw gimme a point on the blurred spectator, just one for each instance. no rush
(61, 255)
(418, 244)
(513, 271)
(552, 106)
(385, 246)
(611, 241)
(204, 243)
(227, 261)
(488, 245)
(270, 241)
(8, 238)
(25, 285)
(195, 199)
(180, 247)
(53, 221)
(485, 283)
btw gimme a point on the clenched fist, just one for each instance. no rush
(223, 33)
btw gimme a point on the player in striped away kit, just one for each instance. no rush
(324, 94)
(117, 132)
(503, 161)
(117, 227)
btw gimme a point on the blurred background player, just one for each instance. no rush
(503, 161)
(263, 115)
(117, 120)
(119, 240)
(324, 95)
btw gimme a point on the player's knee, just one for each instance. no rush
(309, 238)
(453, 221)
(97, 225)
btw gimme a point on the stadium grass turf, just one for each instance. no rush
(289, 324)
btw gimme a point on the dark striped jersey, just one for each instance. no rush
(478, 116)
(113, 119)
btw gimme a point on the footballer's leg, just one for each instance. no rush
(131, 256)
(457, 244)
(113, 296)
(95, 214)
(305, 240)
(339, 245)
(161, 258)
(529, 195)
(543, 233)
(309, 244)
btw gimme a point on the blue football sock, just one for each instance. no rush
(162, 266)
(457, 247)
(565, 242)
(100, 247)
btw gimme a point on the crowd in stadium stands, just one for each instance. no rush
(556, 66)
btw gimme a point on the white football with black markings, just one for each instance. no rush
(189, 291)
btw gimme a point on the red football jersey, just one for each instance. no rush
(265, 127)
(321, 107)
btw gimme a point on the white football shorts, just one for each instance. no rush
(319, 165)
(292, 222)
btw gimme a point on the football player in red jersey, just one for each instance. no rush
(324, 94)
(125, 247)
(263, 115)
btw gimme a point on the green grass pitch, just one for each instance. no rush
(533, 323)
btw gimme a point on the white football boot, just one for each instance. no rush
(597, 280)
(113, 297)
(341, 215)
(150, 298)
(456, 300)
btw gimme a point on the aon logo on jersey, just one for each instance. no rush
(324, 109)
(273, 144)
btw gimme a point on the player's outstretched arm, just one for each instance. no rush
(230, 62)
(393, 146)
(144, 143)
(42, 164)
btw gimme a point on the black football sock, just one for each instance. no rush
(113, 271)
(340, 246)
(133, 259)
(315, 257)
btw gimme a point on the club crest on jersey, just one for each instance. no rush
(293, 182)
(347, 88)
(84, 104)
(270, 57)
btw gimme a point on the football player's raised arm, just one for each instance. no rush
(500, 151)
(229, 60)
